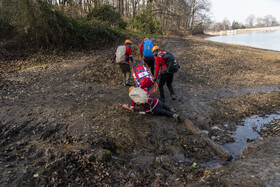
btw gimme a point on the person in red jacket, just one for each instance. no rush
(149, 61)
(125, 66)
(154, 105)
(164, 76)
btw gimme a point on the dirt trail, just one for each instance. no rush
(63, 123)
(49, 113)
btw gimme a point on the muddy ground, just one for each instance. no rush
(61, 121)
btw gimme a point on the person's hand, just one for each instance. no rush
(127, 107)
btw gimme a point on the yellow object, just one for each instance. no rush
(155, 48)
(127, 41)
(194, 164)
(146, 39)
(131, 88)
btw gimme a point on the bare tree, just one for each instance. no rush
(269, 21)
(250, 20)
(180, 14)
(226, 24)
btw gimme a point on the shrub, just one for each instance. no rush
(5, 28)
(107, 14)
(38, 24)
(147, 24)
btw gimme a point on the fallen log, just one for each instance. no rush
(220, 152)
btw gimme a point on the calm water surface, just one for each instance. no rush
(265, 40)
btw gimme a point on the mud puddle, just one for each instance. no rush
(247, 132)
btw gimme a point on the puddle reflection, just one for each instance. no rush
(248, 132)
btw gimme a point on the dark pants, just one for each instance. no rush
(151, 64)
(126, 71)
(162, 109)
(168, 79)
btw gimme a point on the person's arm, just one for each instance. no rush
(141, 49)
(127, 107)
(114, 58)
(132, 106)
(157, 67)
(129, 54)
(178, 64)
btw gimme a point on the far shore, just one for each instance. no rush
(241, 31)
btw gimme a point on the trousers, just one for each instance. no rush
(162, 109)
(125, 68)
(168, 79)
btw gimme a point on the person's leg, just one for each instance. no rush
(127, 74)
(165, 107)
(162, 80)
(159, 110)
(169, 81)
(157, 107)
(162, 109)
(123, 71)
(153, 67)
(151, 64)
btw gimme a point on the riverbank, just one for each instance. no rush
(62, 122)
(242, 31)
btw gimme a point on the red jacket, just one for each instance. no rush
(160, 62)
(128, 54)
(152, 103)
(141, 52)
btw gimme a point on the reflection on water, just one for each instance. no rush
(244, 135)
(266, 40)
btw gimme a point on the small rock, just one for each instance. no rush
(36, 175)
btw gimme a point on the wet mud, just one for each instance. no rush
(62, 123)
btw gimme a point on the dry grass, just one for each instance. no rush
(225, 64)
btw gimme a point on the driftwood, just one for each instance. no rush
(220, 152)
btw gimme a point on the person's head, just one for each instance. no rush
(131, 88)
(128, 42)
(155, 50)
(146, 39)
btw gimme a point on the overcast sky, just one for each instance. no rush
(239, 10)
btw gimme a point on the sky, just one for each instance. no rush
(239, 10)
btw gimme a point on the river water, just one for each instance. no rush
(265, 40)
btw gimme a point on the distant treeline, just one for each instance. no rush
(251, 22)
(151, 16)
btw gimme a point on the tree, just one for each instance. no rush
(189, 15)
(260, 22)
(270, 21)
(250, 21)
(225, 24)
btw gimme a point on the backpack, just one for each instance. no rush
(143, 77)
(120, 54)
(139, 96)
(171, 63)
(147, 49)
